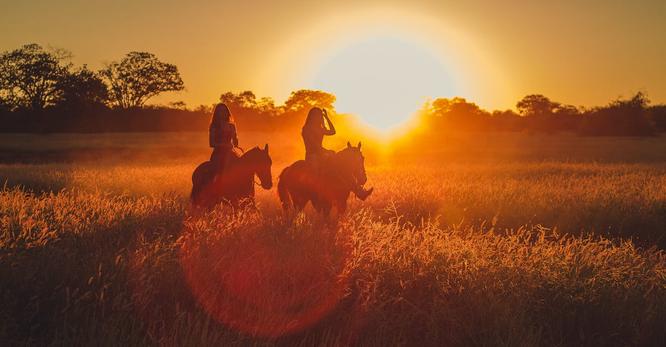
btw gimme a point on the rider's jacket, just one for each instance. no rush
(222, 135)
(313, 139)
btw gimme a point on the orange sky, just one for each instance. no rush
(492, 52)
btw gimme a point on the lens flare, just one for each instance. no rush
(265, 286)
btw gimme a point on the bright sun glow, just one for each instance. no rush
(384, 80)
(383, 63)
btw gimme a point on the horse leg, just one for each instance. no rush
(299, 202)
(341, 206)
(325, 208)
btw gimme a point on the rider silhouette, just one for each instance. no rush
(222, 138)
(317, 125)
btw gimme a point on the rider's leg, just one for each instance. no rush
(214, 164)
(315, 161)
(219, 164)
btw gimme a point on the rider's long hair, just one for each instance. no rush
(221, 115)
(315, 119)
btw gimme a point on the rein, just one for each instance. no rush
(254, 178)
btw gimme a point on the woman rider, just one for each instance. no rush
(317, 125)
(313, 133)
(222, 137)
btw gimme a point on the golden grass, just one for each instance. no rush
(627, 200)
(486, 253)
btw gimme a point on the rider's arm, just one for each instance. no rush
(331, 128)
(234, 138)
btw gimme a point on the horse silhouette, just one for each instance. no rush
(326, 187)
(236, 184)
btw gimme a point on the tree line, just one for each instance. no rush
(633, 116)
(41, 91)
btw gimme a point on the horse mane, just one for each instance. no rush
(250, 151)
(254, 153)
(343, 153)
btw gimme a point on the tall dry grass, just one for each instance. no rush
(445, 252)
(91, 266)
(614, 200)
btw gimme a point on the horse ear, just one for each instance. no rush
(266, 148)
(359, 145)
(349, 145)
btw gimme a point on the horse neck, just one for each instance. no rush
(344, 173)
(248, 162)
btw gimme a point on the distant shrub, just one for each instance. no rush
(628, 117)
(658, 115)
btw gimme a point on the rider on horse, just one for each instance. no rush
(222, 138)
(313, 133)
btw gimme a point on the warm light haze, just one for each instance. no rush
(367, 53)
(332, 173)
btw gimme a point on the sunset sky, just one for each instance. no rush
(369, 53)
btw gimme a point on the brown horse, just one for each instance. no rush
(236, 184)
(300, 182)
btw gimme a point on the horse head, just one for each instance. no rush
(261, 163)
(354, 162)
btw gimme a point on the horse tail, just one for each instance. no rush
(198, 182)
(283, 193)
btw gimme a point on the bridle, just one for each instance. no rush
(254, 179)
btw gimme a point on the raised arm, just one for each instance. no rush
(331, 128)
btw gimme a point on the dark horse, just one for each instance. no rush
(236, 183)
(339, 174)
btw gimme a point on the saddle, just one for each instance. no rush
(222, 161)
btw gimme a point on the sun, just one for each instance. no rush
(384, 62)
(384, 80)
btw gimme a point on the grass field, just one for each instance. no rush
(479, 240)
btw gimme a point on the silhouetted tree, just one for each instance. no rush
(245, 99)
(507, 120)
(81, 89)
(567, 110)
(204, 109)
(178, 105)
(456, 113)
(456, 107)
(267, 105)
(543, 115)
(249, 112)
(4, 105)
(628, 117)
(248, 101)
(536, 105)
(30, 75)
(138, 77)
(658, 115)
(305, 99)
